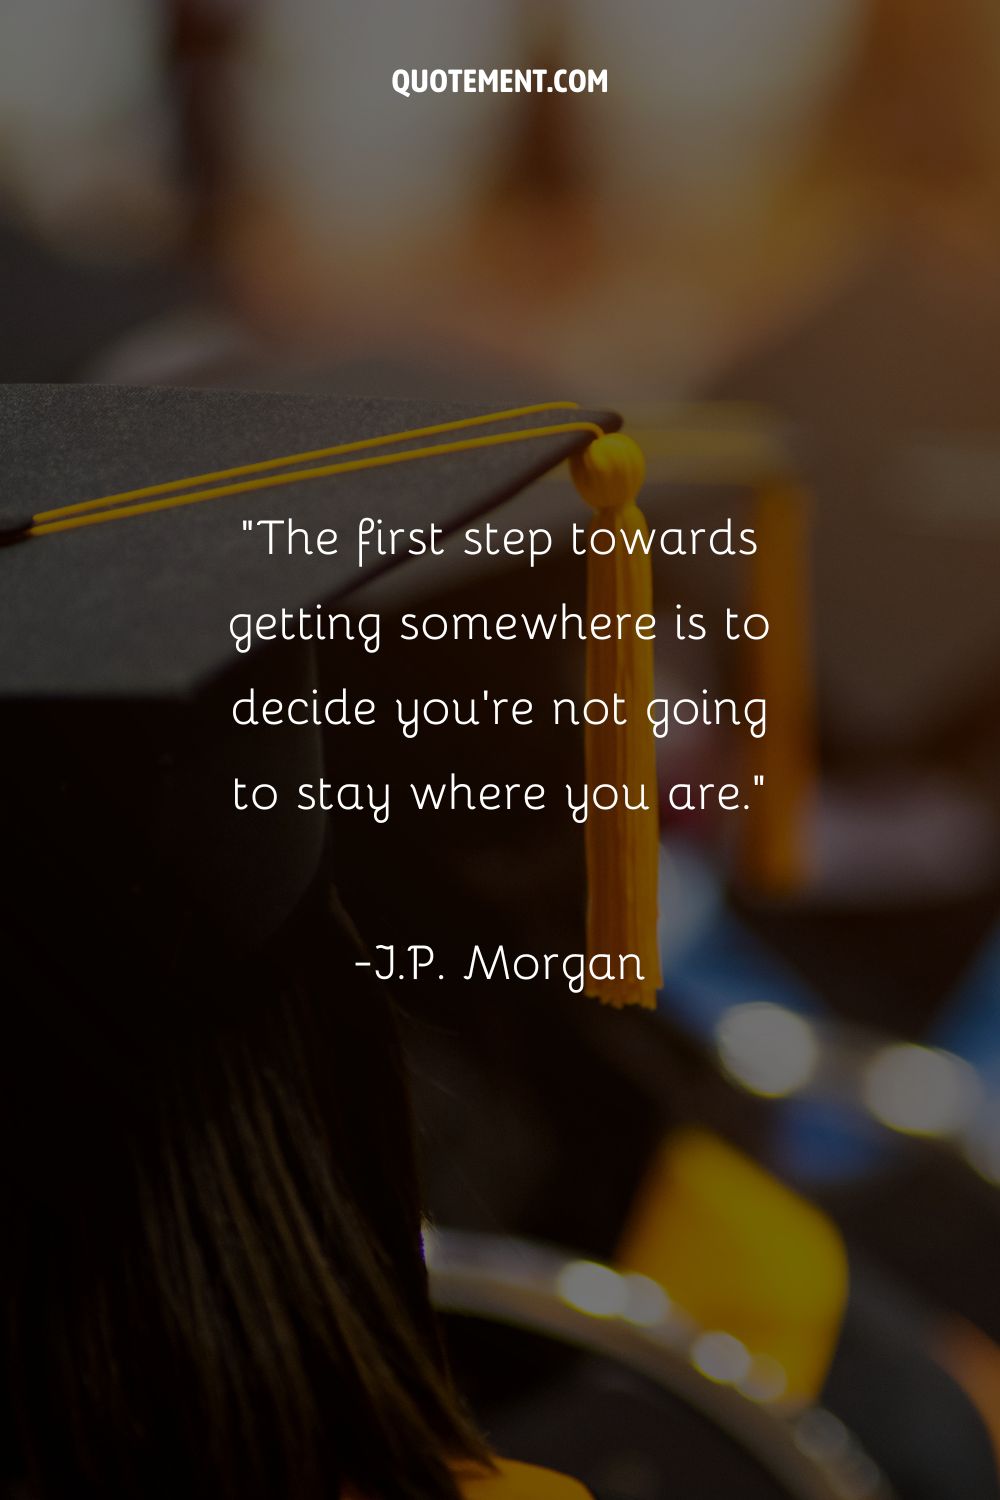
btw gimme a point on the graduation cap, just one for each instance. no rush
(124, 558)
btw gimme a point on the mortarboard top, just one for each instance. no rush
(117, 666)
(139, 608)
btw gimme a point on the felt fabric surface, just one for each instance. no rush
(140, 607)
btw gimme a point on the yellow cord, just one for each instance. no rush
(116, 507)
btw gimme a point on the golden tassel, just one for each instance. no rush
(775, 856)
(622, 845)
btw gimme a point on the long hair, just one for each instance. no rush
(211, 1266)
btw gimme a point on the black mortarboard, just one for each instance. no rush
(140, 608)
(117, 666)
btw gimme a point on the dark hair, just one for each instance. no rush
(212, 1275)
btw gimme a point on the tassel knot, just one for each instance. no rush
(609, 473)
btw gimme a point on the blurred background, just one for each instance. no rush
(774, 245)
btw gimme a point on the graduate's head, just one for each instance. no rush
(211, 1275)
(213, 1285)
(212, 1282)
